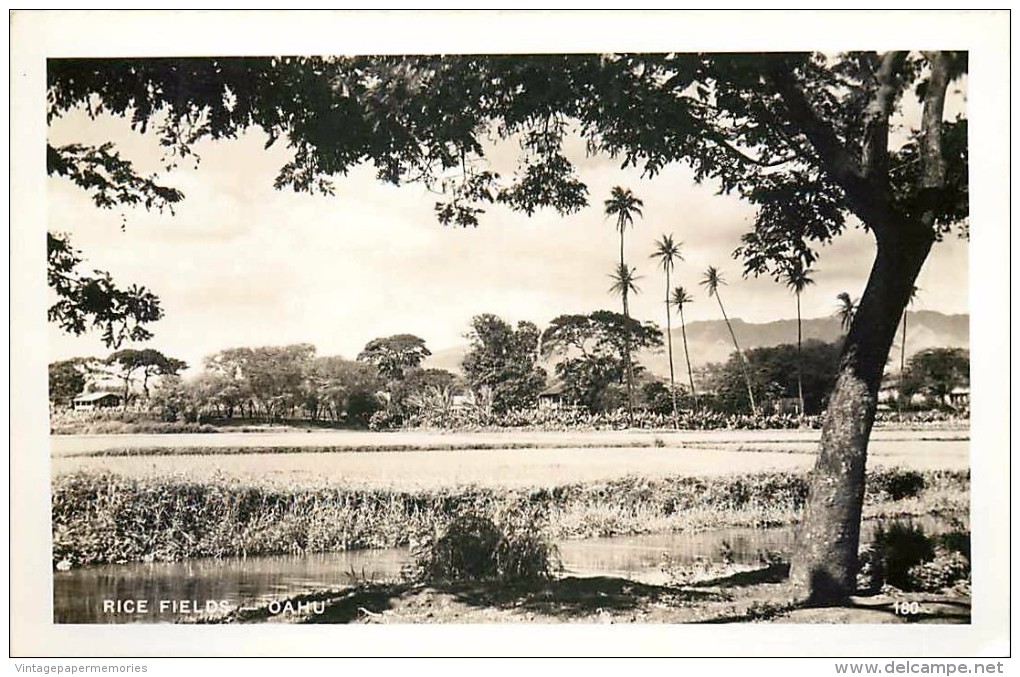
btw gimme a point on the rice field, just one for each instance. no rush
(414, 461)
(69, 445)
(174, 497)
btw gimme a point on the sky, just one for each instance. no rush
(242, 264)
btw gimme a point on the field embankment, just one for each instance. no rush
(103, 517)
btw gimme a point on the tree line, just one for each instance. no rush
(502, 371)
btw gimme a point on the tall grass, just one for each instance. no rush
(512, 544)
(103, 517)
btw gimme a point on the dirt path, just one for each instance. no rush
(62, 445)
(759, 596)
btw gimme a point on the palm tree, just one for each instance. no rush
(796, 277)
(903, 340)
(623, 280)
(623, 284)
(680, 299)
(845, 310)
(903, 347)
(668, 253)
(712, 280)
(623, 204)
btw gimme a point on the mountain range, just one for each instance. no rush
(709, 341)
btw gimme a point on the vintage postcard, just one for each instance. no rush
(426, 324)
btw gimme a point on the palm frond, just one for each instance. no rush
(624, 205)
(667, 251)
(712, 280)
(680, 298)
(623, 280)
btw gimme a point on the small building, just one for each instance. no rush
(553, 397)
(98, 400)
(889, 394)
(788, 405)
(463, 401)
(959, 397)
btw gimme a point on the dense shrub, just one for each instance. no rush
(511, 545)
(896, 486)
(572, 418)
(933, 418)
(579, 418)
(119, 422)
(898, 547)
(465, 549)
(385, 419)
(903, 556)
(946, 569)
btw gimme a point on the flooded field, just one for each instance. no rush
(273, 459)
(185, 590)
(65, 445)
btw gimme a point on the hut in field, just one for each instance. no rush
(98, 400)
(959, 397)
(553, 397)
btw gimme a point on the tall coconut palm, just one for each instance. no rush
(623, 284)
(903, 346)
(624, 205)
(797, 278)
(712, 280)
(903, 340)
(845, 310)
(668, 253)
(680, 299)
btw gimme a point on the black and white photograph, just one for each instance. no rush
(665, 332)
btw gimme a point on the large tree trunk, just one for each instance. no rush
(825, 563)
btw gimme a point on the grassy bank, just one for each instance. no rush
(103, 517)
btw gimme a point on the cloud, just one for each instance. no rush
(243, 264)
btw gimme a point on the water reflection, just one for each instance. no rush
(641, 557)
(161, 592)
(165, 592)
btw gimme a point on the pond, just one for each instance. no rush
(170, 592)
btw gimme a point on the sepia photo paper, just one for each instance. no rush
(512, 333)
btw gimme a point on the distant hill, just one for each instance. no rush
(448, 359)
(709, 341)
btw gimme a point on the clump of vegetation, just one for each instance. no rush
(900, 546)
(510, 546)
(119, 422)
(897, 486)
(904, 556)
(105, 517)
(947, 569)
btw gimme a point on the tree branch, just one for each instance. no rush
(933, 164)
(721, 141)
(836, 161)
(875, 149)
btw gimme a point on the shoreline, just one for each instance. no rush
(107, 518)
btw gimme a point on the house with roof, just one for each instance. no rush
(959, 397)
(97, 400)
(553, 397)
